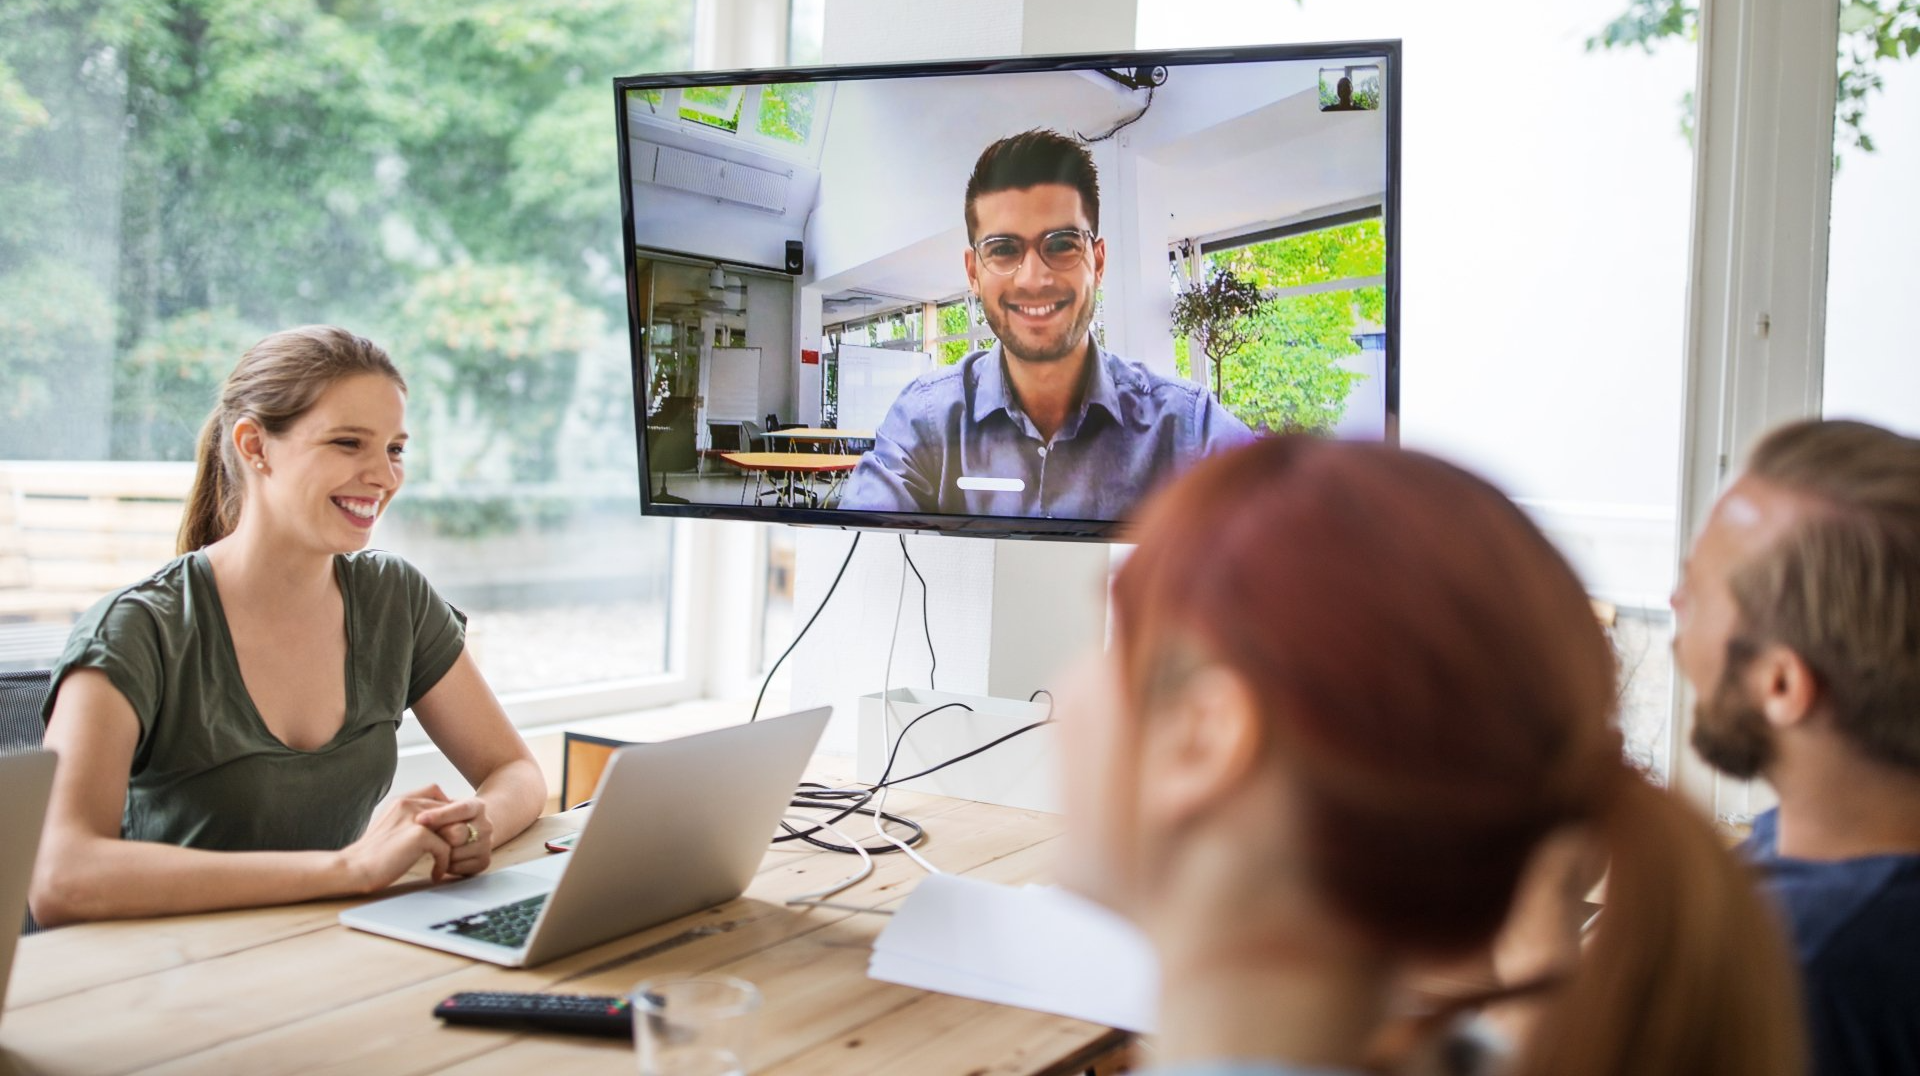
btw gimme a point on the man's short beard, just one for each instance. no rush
(1075, 338)
(1729, 731)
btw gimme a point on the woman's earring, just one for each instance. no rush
(259, 465)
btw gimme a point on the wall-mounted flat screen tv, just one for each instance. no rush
(1004, 297)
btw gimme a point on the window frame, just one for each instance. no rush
(689, 610)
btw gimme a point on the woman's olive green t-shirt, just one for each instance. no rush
(207, 773)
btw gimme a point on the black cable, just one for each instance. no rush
(814, 797)
(902, 738)
(983, 747)
(925, 621)
(1043, 691)
(1116, 128)
(863, 795)
(755, 716)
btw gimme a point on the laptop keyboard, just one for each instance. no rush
(508, 924)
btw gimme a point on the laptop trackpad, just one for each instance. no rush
(496, 887)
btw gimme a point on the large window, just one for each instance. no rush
(1544, 265)
(1313, 327)
(962, 329)
(182, 179)
(1871, 369)
(787, 120)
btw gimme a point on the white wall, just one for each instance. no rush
(1543, 249)
(900, 31)
(770, 328)
(1873, 360)
(890, 31)
(665, 218)
(894, 169)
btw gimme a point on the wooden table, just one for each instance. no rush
(289, 989)
(790, 465)
(821, 435)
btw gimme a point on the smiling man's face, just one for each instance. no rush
(1730, 731)
(1040, 314)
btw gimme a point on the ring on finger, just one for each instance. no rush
(472, 834)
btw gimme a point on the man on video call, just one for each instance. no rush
(1046, 423)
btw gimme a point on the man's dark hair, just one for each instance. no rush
(1029, 159)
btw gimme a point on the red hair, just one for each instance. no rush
(1435, 682)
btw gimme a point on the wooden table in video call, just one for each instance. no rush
(787, 467)
(817, 434)
(289, 989)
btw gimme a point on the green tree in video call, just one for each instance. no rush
(1288, 373)
(182, 176)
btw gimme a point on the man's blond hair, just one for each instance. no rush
(1841, 588)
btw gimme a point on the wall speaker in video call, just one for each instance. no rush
(796, 257)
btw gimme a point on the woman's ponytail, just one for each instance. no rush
(1688, 970)
(214, 502)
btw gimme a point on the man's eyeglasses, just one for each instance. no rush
(1062, 250)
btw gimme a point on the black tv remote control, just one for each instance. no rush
(580, 1014)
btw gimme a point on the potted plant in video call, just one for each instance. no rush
(1276, 363)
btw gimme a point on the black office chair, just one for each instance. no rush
(730, 435)
(21, 695)
(753, 438)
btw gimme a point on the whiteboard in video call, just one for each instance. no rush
(733, 383)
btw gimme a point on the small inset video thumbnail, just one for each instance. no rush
(1351, 88)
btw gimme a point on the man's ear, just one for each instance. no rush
(973, 272)
(1099, 260)
(1784, 685)
(1202, 750)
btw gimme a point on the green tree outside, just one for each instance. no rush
(182, 176)
(1872, 32)
(163, 388)
(500, 346)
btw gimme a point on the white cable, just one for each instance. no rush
(866, 863)
(887, 720)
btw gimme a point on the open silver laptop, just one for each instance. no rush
(676, 826)
(25, 782)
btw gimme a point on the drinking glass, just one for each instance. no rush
(698, 1026)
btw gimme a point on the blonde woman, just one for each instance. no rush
(226, 726)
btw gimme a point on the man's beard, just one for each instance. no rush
(1069, 343)
(1729, 731)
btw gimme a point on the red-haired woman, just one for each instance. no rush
(1354, 694)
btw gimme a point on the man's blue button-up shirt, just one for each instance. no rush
(956, 442)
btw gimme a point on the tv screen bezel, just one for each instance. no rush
(1388, 50)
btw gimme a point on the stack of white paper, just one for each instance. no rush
(1037, 947)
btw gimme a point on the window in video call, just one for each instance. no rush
(1021, 295)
